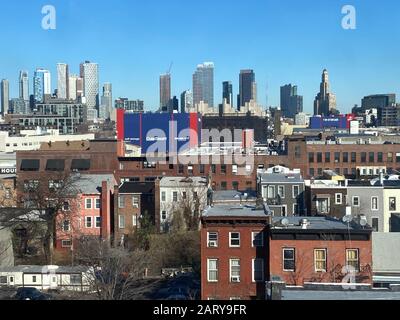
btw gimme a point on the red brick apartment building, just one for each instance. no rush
(233, 253)
(241, 249)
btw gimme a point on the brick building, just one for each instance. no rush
(317, 249)
(234, 253)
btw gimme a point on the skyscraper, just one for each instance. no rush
(24, 85)
(79, 89)
(89, 72)
(291, 102)
(106, 102)
(247, 87)
(62, 81)
(72, 86)
(203, 84)
(186, 101)
(325, 101)
(227, 92)
(165, 91)
(5, 96)
(41, 84)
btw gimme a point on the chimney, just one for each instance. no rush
(304, 224)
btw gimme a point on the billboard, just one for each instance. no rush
(339, 122)
(160, 132)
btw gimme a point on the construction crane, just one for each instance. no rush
(170, 68)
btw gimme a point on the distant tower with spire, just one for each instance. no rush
(325, 101)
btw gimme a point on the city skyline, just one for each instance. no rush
(356, 68)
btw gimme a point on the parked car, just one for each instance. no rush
(31, 294)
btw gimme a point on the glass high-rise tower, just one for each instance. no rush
(203, 84)
(89, 72)
(41, 84)
(247, 87)
(24, 85)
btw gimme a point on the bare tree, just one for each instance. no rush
(114, 272)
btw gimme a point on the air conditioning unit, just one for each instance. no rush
(212, 244)
(235, 279)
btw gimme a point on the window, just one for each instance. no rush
(98, 203)
(352, 258)
(202, 168)
(296, 191)
(258, 270)
(180, 169)
(212, 266)
(297, 152)
(375, 224)
(380, 157)
(213, 168)
(66, 206)
(345, 157)
(66, 226)
(337, 157)
(134, 220)
(121, 201)
(327, 157)
(356, 201)
(184, 195)
(66, 243)
(88, 222)
(353, 157)
(212, 239)
(271, 192)
(392, 204)
(312, 172)
(338, 198)
(281, 192)
(98, 222)
(398, 157)
(390, 157)
(163, 196)
(175, 196)
(371, 157)
(234, 169)
(34, 279)
(319, 157)
(135, 201)
(295, 209)
(3, 280)
(223, 169)
(164, 215)
(363, 157)
(121, 221)
(234, 270)
(311, 157)
(190, 170)
(323, 205)
(374, 203)
(235, 185)
(234, 239)
(224, 185)
(320, 260)
(257, 239)
(289, 259)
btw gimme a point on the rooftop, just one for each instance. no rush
(233, 195)
(225, 211)
(136, 187)
(91, 183)
(182, 182)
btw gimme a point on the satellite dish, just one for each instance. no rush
(285, 222)
(347, 219)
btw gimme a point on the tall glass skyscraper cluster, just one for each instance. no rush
(5, 96)
(62, 81)
(41, 84)
(291, 102)
(165, 91)
(227, 92)
(24, 85)
(203, 84)
(90, 74)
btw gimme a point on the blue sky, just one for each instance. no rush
(283, 41)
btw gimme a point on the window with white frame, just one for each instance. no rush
(212, 270)
(271, 192)
(234, 169)
(257, 239)
(258, 270)
(98, 222)
(98, 203)
(121, 201)
(163, 215)
(374, 203)
(175, 196)
(88, 203)
(353, 259)
(121, 221)
(296, 191)
(281, 191)
(212, 239)
(66, 243)
(66, 226)
(134, 220)
(356, 201)
(234, 270)
(234, 239)
(88, 222)
(135, 201)
(338, 198)
(289, 259)
(320, 260)
(66, 206)
(163, 196)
